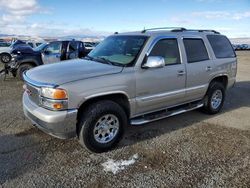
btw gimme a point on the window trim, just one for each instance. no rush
(196, 38)
(157, 39)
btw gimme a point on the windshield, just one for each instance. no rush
(40, 47)
(122, 50)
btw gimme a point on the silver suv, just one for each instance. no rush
(130, 79)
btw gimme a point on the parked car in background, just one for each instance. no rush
(130, 78)
(245, 47)
(25, 58)
(4, 44)
(89, 45)
(5, 52)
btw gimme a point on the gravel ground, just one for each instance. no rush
(188, 150)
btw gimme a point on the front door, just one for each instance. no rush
(161, 87)
(52, 53)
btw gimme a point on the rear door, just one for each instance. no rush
(72, 50)
(161, 87)
(199, 67)
(52, 53)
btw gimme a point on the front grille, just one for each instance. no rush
(33, 93)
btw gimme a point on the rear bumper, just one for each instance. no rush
(60, 124)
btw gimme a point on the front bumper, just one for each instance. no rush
(60, 124)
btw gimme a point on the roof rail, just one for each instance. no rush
(164, 28)
(197, 30)
(179, 29)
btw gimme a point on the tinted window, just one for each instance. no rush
(38, 44)
(4, 44)
(221, 46)
(31, 44)
(73, 46)
(195, 50)
(168, 49)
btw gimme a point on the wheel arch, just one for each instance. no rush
(33, 63)
(119, 98)
(222, 78)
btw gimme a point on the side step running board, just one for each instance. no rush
(165, 113)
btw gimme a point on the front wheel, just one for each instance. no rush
(101, 126)
(22, 68)
(214, 98)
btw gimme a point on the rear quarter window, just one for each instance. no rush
(221, 46)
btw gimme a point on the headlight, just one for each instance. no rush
(52, 93)
(54, 99)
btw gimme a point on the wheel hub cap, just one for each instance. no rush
(106, 128)
(216, 99)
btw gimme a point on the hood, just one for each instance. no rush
(69, 71)
(24, 49)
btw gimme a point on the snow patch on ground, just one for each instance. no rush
(116, 166)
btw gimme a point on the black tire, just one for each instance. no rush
(5, 58)
(22, 68)
(208, 106)
(89, 119)
(2, 74)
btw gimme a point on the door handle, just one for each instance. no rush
(208, 68)
(181, 73)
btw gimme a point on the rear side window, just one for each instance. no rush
(195, 50)
(221, 46)
(168, 49)
(31, 45)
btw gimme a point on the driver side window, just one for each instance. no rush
(168, 49)
(54, 48)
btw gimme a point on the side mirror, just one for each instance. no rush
(154, 62)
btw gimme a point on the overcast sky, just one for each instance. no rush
(97, 17)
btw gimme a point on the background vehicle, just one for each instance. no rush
(4, 44)
(130, 78)
(5, 52)
(25, 58)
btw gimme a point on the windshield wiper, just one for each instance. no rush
(104, 60)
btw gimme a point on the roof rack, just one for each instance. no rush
(203, 30)
(164, 28)
(179, 29)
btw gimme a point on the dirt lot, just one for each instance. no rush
(189, 150)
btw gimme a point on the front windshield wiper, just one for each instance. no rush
(107, 61)
(102, 60)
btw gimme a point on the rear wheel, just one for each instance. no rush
(5, 58)
(101, 126)
(22, 68)
(214, 98)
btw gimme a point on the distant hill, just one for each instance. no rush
(101, 37)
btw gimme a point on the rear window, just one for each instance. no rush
(221, 46)
(195, 50)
